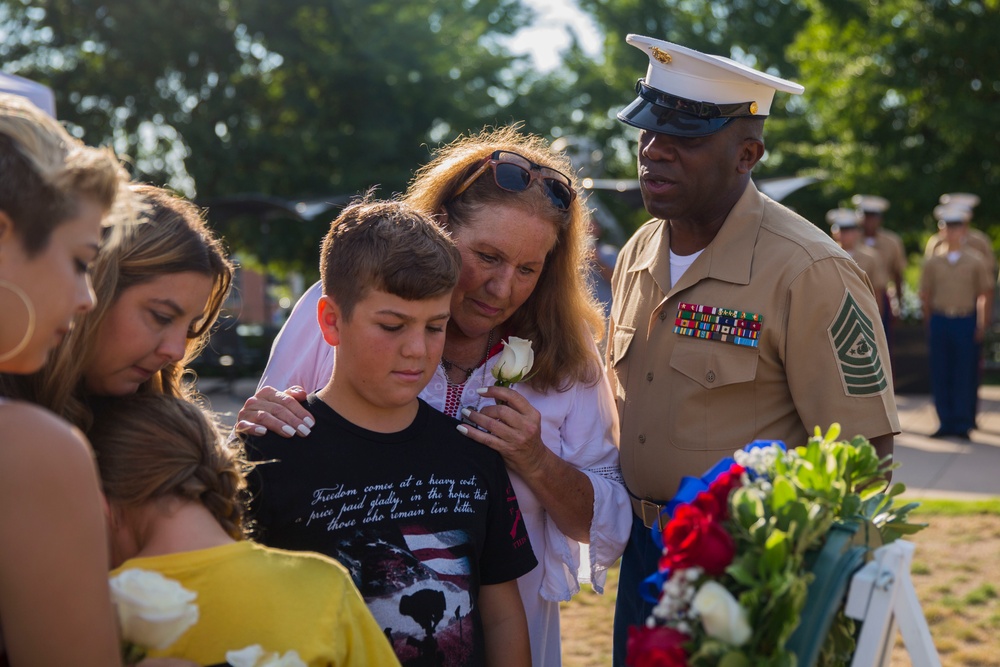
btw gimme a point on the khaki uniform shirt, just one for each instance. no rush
(974, 238)
(871, 263)
(685, 401)
(890, 248)
(953, 289)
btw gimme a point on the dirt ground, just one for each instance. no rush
(956, 572)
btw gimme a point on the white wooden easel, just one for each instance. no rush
(882, 597)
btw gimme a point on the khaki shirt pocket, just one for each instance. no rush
(713, 395)
(620, 342)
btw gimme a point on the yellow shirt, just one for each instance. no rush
(821, 354)
(251, 594)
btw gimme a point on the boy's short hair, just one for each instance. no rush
(388, 246)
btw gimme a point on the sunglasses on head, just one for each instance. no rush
(515, 173)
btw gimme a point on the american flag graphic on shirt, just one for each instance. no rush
(443, 552)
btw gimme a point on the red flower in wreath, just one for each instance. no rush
(723, 486)
(694, 537)
(658, 646)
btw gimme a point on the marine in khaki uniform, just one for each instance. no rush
(890, 248)
(976, 239)
(845, 228)
(732, 317)
(956, 290)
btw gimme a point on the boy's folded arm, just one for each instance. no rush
(504, 625)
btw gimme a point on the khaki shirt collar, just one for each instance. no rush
(729, 257)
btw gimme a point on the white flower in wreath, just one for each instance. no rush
(721, 615)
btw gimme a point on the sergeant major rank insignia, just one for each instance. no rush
(853, 337)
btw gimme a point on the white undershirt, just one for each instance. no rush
(679, 264)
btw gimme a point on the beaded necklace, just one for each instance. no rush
(453, 397)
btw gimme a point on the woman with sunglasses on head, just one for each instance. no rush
(160, 286)
(512, 210)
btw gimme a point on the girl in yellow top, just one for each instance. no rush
(173, 487)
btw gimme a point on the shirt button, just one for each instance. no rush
(649, 376)
(710, 376)
(663, 314)
(642, 438)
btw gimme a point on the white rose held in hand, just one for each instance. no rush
(515, 361)
(255, 656)
(721, 615)
(153, 611)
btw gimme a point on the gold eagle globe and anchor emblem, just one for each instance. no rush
(662, 55)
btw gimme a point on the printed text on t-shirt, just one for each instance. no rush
(343, 505)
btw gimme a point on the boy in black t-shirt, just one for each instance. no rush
(424, 518)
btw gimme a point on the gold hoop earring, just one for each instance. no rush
(28, 306)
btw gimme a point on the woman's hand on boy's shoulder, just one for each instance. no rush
(513, 427)
(280, 412)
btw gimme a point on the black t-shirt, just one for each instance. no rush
(421, 518)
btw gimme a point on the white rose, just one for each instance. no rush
(245, 657)
(515, 361)
(153, 611)
(289, 659)
(721, 615)
(255, 656)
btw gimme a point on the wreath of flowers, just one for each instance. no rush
(734, 575)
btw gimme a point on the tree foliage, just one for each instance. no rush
(319, 98)
(311, 98)
(900, 94)
(902, 102)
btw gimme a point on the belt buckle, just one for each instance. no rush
(649, 507)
